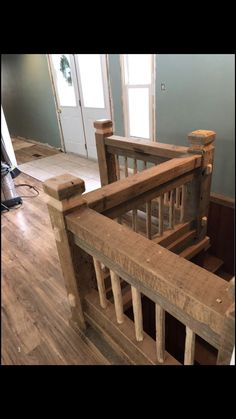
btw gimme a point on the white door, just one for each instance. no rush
(93, 86)
(68, 100)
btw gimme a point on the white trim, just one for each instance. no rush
(110, 92)
(56, 102)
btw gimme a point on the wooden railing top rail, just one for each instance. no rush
(196, 297)
(122, 191)
(140, 145)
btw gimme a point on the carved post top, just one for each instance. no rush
(200, 138)
(103, 126)
(64, 186)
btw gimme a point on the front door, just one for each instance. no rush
(68, 100)
(82, 93)
(93, 85)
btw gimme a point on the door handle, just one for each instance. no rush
(59, 110)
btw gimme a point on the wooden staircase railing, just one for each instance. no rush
(93, 245)
(164, 216)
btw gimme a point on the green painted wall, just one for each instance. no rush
(27, 98)
(115, 79)
(199, 95)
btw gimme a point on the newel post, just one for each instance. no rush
(106, 160)
(201, 141)
(65, 195)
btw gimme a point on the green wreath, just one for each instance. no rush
(65, 69)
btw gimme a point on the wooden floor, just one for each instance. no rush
(35, 311)
(26, 151)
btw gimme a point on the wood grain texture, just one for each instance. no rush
(100, 283)
(117, 295)
(173, 282)
(189, 347)
(160, 332)
(140, 353)
(138, 317)
(35, 308)
(146, 146)
(135, 185)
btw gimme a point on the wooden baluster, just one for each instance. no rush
(144, 165)
(117, 294)
(177, 200)
(160, 333)
(149, 219)
(183, 191)
(100, 283)
(138, 316)
(126, 167)
(166, 198)
(134, 212)
(117, 166)
(134, 219)
(161, 221)
(189, 347)
(171, 210)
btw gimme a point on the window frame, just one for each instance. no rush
(152, 101)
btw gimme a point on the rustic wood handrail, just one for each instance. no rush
(94, 246)
(196, 297)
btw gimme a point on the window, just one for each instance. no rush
(65, 88)
(138, 95)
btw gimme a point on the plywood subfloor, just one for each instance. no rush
(35, 311)
(25, 151)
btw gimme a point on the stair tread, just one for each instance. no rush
(181, 239)
(212, 263)
(192, 250)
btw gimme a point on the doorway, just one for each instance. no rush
(81, 89)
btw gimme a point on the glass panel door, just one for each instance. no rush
(63, 78)
(91, 80)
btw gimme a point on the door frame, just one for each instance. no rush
(56, 102)
(57, 107)
(152, 97)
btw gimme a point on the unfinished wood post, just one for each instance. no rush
(117, 166)
(138, 315)
(189, 347)
(64, 195)
(100, 283)
(171, 210)
(183, 202)
(149, 219)
(126, 167)
(106, 161)
(117, 294)
(177, 199)
(160, 333)
(161, 214)
(134, 219)
(202, 141)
